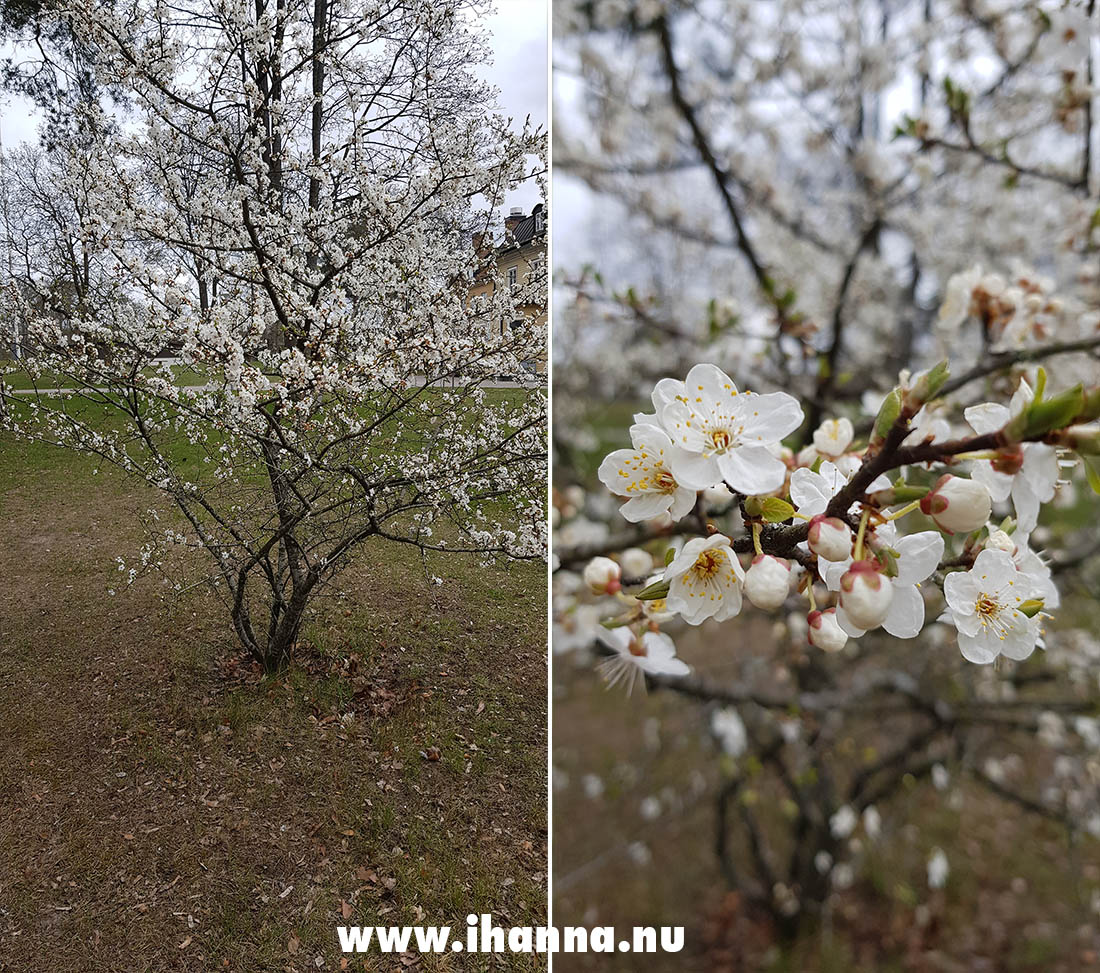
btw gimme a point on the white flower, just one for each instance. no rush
(705, 580)
(645, 476)
(652, 653)
(725, 434)
(811, 492)
(1038, 572)
(984, 605)
(843, 822)
(1030, 563)
(915, 556)
(957, 299)
(872, 822)
(635, 562)
(833, 436)
(957, 505)
(830, 538)
(1031, 478)
(825, 631)
(938, 869)
(726, 724)
(602, 575)
(865, 596)
(767, 581)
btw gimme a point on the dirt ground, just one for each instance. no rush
(163, 807)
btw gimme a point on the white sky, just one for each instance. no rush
(519, 37)
(520, 29)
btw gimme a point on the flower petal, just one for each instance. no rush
(918, 556)
(987, 417)
(977, 648)
(646, 506)
(770, 417)
(752, 470)
(682, 502)
(693, 470)
(809, 492)
(906, 616)
(1040, 470)
(847, 625)
(961, 591)
(999, 485)
(1020, 637)
(992, 569)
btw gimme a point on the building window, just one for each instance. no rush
(538, 222)
(513, 276)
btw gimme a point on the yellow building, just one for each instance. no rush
(515, 257)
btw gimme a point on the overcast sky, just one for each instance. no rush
(519, 29)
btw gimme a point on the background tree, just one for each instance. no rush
(285, 195)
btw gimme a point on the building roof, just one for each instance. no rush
(527, 229)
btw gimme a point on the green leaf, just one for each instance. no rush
(776, 511)
(934, 380)
(1040, 384)
(1092, 475)
(888, 414)
(654, 592)
(670, 556)
(1031, 607)
(1056, 412)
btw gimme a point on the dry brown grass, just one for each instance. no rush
(163, 807)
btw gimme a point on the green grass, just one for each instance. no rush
(17, 376)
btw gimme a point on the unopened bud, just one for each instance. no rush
(866, 594)
(603, 576)
(767, 581)
(830, 538)
(825, 630)
(957, 505)
(635, 562)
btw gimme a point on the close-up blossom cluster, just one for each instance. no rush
(826, 521)
(828, 524)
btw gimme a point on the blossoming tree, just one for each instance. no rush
(282, 198)
(876, 401)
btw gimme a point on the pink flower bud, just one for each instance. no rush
(957, 505)
(825, 630)
(830, 538)
(767, 581)
(865, 594)
(602, 575)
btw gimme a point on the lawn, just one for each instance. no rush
(164, 807)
